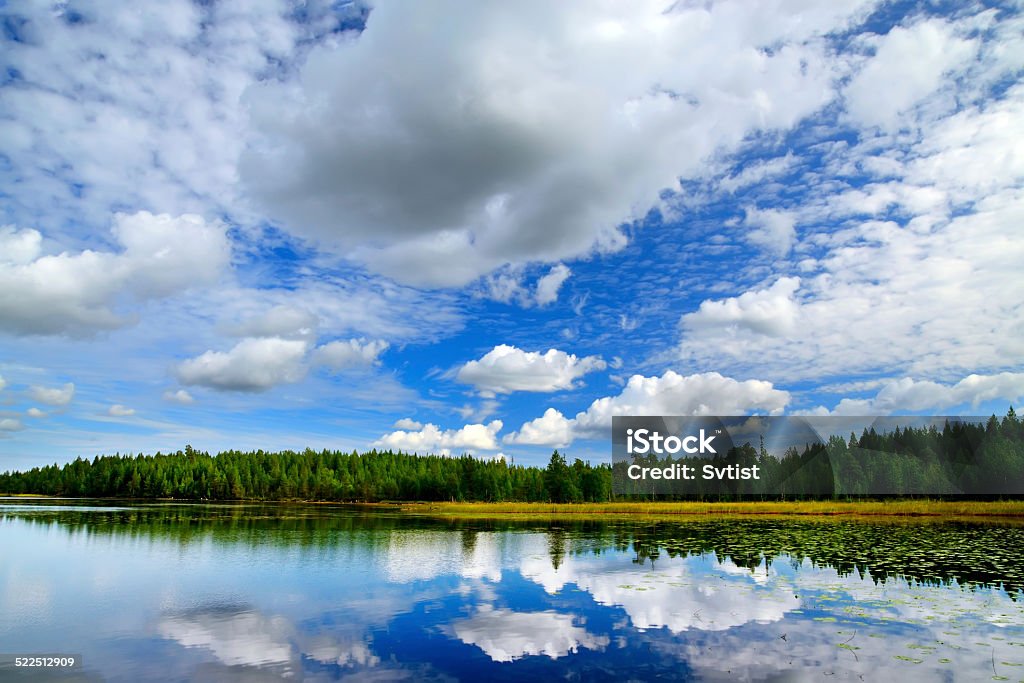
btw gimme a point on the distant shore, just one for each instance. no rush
(904, 508)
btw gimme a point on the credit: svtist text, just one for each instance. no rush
(644, 441)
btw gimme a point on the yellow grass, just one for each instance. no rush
(893, 508)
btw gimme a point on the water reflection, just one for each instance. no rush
(505, 635)
(234, 637)
(698, 591)
(315, 593)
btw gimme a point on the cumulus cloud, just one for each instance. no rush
(884, 297)
(673, 394)
(550, 429)
(907, 394)
(908, 65)
(670, 394)
(77, 293)
(180, 396)
(353, 353)
(770, 311)
(408, 424)
(431, 439)
(251, 365)
(35, 412)
(260, 363)
(118, 410)
(53, 396)
(10, 424)
(505, 369)
(461, 159)
(3, 383)
(19, 247)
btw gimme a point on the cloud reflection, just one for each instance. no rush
(247, 638)
(695, 592)
(505, 635)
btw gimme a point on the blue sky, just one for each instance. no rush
(489, 227)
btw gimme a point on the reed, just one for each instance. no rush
(874, 508)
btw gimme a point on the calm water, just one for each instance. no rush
(221, 593)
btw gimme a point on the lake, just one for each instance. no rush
(187, 592)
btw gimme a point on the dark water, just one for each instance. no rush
(223, 593)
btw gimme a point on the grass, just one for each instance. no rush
(889, 508)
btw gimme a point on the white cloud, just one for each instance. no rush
(77, 293)
(118, 410)
(472, 159)
(550, 429)
(252, 365)
(673, 394)
(909, 65)
(943, 299)
(370, 307)
(10, 424)
(180, 396)
(752, 174)
(480, 412)
(910, 245)
(914, 395)
(771, 229)
(770, 311)
(35, 412)
(408, 424)
(19, 247)
(548, 286)
(56, 396)
(287, 322)
(670, 394)
(98, 124)
(506, 285)
(505, 635)
(3, 383)
(505, 369)
(353, 353)
(431, 439)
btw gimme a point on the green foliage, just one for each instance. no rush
(311, 475)
(959, 459)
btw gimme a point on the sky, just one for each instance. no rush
(489, 227)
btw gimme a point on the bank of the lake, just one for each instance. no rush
(848, 508)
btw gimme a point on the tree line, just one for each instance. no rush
(312, 475)
(961, 458)
(966, 458)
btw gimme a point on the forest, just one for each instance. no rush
(960, 459)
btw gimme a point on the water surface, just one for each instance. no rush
(313, 592)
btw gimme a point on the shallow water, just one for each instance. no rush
(312, 592)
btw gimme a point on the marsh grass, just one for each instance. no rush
(886, 508)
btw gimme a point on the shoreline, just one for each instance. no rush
(902, 508)
(677, 509)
